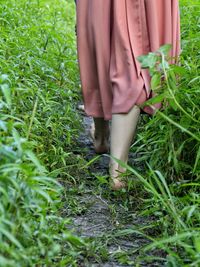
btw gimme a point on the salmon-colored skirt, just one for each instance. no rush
(111, 35)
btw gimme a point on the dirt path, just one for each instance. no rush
(107, 219)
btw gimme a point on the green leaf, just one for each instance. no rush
(35, 160)
(148, 61)
(7, 93)
(74, 240)
(10, 237)
(172, 104)
(155, 100)
(165, 49)
(171, 239)
(197, 160)
(3, 125)
(6, 262)
(197, 243)
(178, 69)
(185, 122)
(155, 81)
(44, 194)
(3, 78)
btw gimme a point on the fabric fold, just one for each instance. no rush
(111, 35)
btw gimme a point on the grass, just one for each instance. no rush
(170, 143)
(43, 173)
(38, 128)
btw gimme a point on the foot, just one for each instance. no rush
(117, 184)
(117, 179)
(101, 141)
(81, 107)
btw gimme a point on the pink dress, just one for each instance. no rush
(111, 35)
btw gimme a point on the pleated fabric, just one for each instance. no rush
(111, 34)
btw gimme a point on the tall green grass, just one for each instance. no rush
(38, 127)
(37, 56)
(169, 144)
(39, 124)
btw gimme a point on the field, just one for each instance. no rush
(56, 208)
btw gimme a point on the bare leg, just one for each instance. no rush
(122, 132)
(100, 134)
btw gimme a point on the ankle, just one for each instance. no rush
(116, 170)
(102, 129)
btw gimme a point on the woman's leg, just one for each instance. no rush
(100, 134)
(123, 128)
